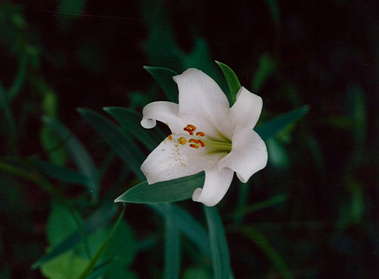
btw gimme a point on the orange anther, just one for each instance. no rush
(194, 141)
(201, 143)
(182, 140)
(189, 130)
(200, 134)
(194, 146)
(169, 137)
(189, 126)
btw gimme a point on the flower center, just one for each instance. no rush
(199, 140)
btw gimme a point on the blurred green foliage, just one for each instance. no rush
(312, 213)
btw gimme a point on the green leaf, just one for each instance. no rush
(79, 154)
(189, 226)
(130, 122)
(121, 250)
(61, 173)
(165, 191)
(172, 244)
(58, 267)
(87, 271)
(266, 66)
(69, 9)
(219, 245)
(117, 139)
(260, 240)
(198, 273)
(19, 80)
(10, 121)
(90, 225)
(262, 205)
(272, 127)
(200, 58)
(164, 77)
(232, 80)
(274, 9)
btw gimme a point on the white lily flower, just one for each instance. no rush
(207, 135)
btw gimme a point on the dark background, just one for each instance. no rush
(292, 53)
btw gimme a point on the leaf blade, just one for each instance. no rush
(78, 152)
(117, 139)
(166, 191)
(272, 127)
(232, 80)
(164, 77)
(219, 245)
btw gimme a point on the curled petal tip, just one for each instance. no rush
(148, 123)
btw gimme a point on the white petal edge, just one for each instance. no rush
(246, 110)
(203, 103)
(216, 184)
(165, 112)
(248, 156)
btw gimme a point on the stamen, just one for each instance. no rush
(169, 137)
(194, 146)
(201, 143)
(200, 134)
(188, 130)
(182, 140)
(194, 141)
(193, 128)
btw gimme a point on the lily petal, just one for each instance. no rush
(202, 103)
(216, 184)
(165, 112)
(246, 110)
(248, 155)
(171, 160)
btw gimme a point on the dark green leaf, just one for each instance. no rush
(163, 76)
(172, 244)
(61, 173)
(189, 226)
(265, 68)
(219, 245)
(165, 191)
(117, 139)
(10, 121)
(260, 240)
(130, 121)
(78, 152)
(95, 221)
(19, 80)
(231, 79)
(274, 9)
(272, 127)
(88, 270)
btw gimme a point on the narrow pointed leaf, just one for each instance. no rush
(78, 152)
(272, 127)
(172, 244)
(163, 76)
(88, 270)
(61, 173)
(117, 139)
(130, 122)
(232, 80)
(97, 220)
(260, 240)
(10, 121)
(166, 191)
(189, 226)
(19, 80)
(219, 245)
